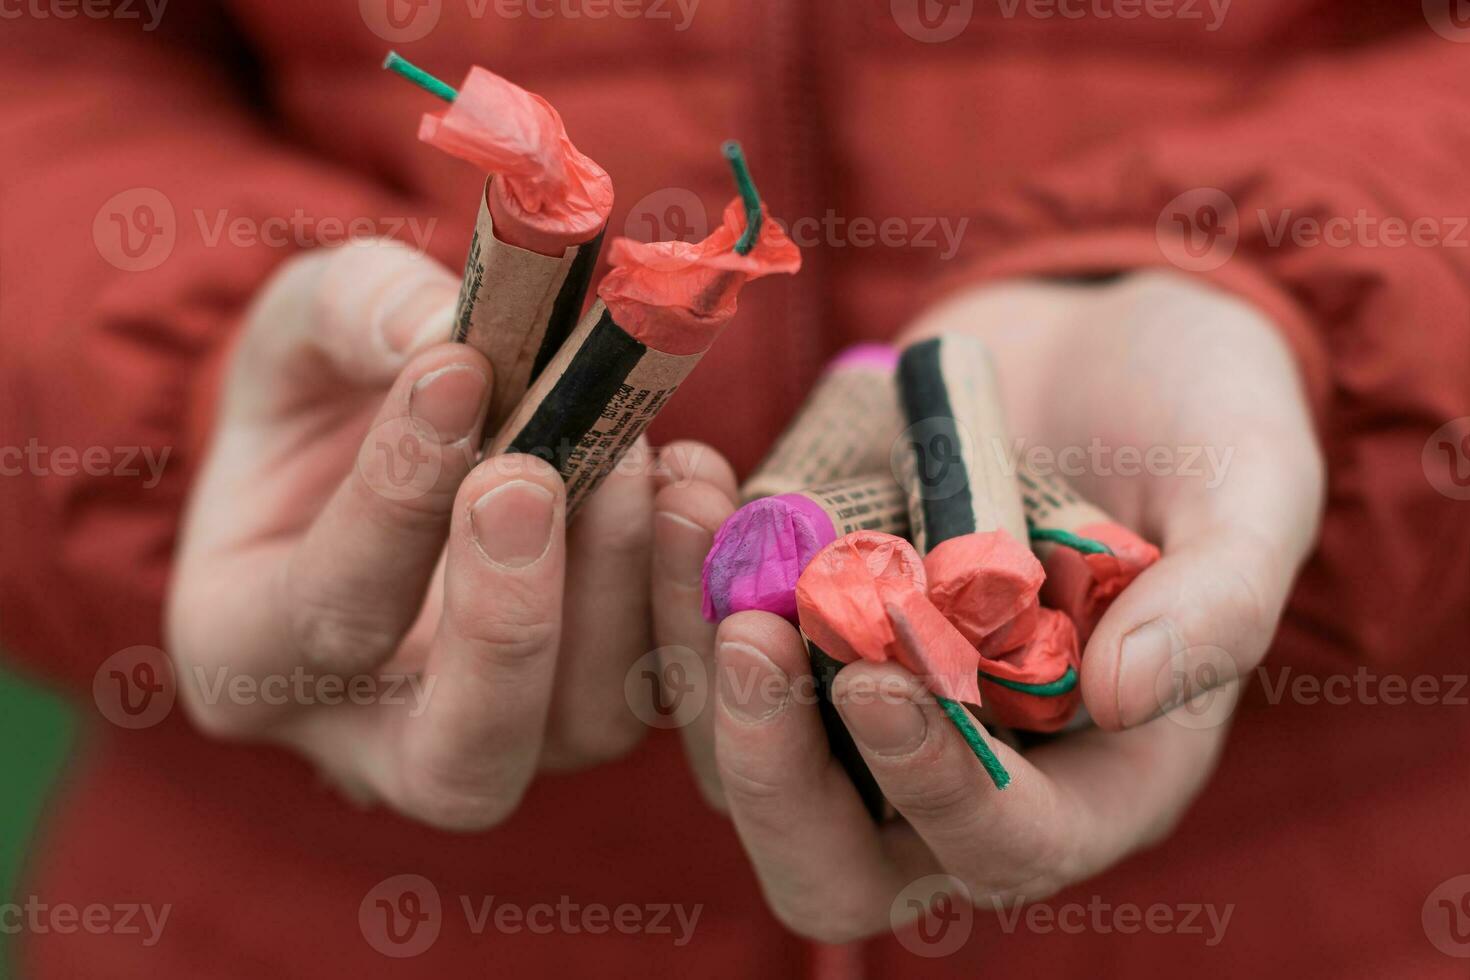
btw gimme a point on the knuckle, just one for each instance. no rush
(331, 634)
(578, 744)
(822, 919)
(455, 799)
(931, 800)
(512, 639)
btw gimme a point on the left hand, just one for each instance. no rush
(1153, 361)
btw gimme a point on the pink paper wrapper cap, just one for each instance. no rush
(1083, 586)
(863, 597)
(982, 581)
(759, 553)
(546, 188)
(873, 357)
(676, 296)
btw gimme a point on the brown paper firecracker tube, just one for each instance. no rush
(956, 470)
(517, 307)
(596, 397)
(845, 428)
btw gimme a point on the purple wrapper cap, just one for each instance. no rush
(760, 552)
(873, 357)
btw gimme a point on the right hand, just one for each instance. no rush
(314, 547)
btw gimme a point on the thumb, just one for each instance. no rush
(340, 317)
(1204, 616)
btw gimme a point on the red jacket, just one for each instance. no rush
(1061, 139)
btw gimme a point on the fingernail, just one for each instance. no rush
(751, 686)
(884, 718)
(1145, 688)
(512, 523)
(680, 547)
(449, 402)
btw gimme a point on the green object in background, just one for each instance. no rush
(35, 736)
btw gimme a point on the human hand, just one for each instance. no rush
(1152, 361)
(341, 532)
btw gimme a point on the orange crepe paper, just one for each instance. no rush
(1084, 586)
(547, 195)
(676, 296)
(863, 597)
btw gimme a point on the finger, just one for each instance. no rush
(821, 861)
(353, 314)
(686, 517)
(357, 580)
(686, 461)
(1011, 841)
(466, 760)
(1071, 808)
(606, 619)
(1204, 616)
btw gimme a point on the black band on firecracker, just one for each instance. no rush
(568, 306)
(595, 374)
(839, 739)
(943, 500)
